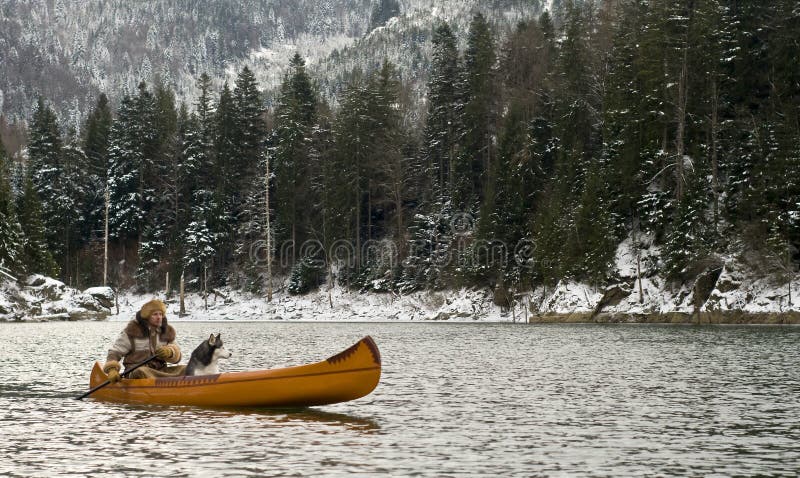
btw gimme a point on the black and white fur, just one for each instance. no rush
(205, 358)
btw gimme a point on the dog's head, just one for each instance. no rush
(215, 342)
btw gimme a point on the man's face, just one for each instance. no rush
(156, 318)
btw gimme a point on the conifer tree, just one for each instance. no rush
(35, 251)
(200, 241)
(250, 128)
(392, 175)
(75, 185)
(440, 135)
(295, 118)
(97, 134)
(353, 132)
(125, 158)
(45, 151)
(478, 116)
(205, 111)
(382, 12)
(10, 229)
(163, 182)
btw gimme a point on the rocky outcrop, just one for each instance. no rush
(41, 298)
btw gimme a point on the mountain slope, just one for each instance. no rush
(70, 50)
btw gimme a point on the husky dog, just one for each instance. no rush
(205, 358)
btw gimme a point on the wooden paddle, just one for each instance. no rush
(127, 372)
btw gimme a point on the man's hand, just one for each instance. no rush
(111, 368)
(164, 353)
(113, 376)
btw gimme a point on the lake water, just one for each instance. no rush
(454, 400)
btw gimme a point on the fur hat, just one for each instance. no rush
(152, 306)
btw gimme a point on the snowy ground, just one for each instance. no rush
(738, 289)
(336, 304)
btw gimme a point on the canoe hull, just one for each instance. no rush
(349, 375)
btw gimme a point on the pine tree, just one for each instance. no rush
(36, 253)
(250, 128)
(75, 187)
(478, 117)
(125, 158)
(295, 118)
(45, 151)
(206, 129)
(353, 132)
(393, 168)
(200, 241)
(225, 142)
(97, 131)
(10, 229)
(95, 147)
(594, 237)
(440, 138)
(163, 182)
(225, 157)
(382, 12)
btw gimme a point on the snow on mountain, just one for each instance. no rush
(71, 50)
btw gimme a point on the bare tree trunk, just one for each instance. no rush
(269, 232)
(638, 261)
(205, 286)
(714, 160)
(358, 224)
(105, 241)
(182, 311)
(681, 121)
(369, 209)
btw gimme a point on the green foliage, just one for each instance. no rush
(11, 234)
(440, 135)
(295, 119)
(478, 116)
(677, 118)
(36, 254)
(307, 275)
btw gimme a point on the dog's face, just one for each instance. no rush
(219, 352)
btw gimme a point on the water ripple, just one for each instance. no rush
(454, 400)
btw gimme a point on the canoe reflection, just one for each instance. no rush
(282, 416)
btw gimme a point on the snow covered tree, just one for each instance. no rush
(163, 182)
(97, 133)
(250, 129)
(478, 116)
(10, 229)
(36, 254)
(295, 118)
(430, 257)
(225, 140)
(201, 239)
(440, 135)
(354, 149)
(382, 12)
(125, 157)
(75, 184)
(45, 152)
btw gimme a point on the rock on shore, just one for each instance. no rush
(40, 298)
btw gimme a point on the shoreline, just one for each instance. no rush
(680, 318)
(669, 318)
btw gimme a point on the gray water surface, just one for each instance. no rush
(454, 400)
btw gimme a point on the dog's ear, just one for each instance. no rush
(211, 340)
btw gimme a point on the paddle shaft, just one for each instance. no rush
(127, 372)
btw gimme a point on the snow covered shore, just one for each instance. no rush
(729, 292)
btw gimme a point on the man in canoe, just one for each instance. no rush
(146, 335)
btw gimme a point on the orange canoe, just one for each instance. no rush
(351, 374)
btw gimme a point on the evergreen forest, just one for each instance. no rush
(674, 124)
